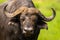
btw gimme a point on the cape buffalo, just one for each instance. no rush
(20, 20)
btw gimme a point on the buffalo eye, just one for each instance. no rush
(34, 17)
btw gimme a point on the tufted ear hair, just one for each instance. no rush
(42, 25)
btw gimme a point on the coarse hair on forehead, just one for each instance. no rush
(31, 10)
(22, 10)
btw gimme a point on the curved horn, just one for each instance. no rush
(18, 11)
(49, 18)
(11, 6)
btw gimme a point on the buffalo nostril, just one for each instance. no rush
(28, 31)
(25, 30)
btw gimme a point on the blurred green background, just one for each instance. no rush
(53, 32)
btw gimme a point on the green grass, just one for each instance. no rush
(53, 32)
(1, 1)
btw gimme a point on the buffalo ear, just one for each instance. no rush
(42, 25)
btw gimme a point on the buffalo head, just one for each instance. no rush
(30, 19)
